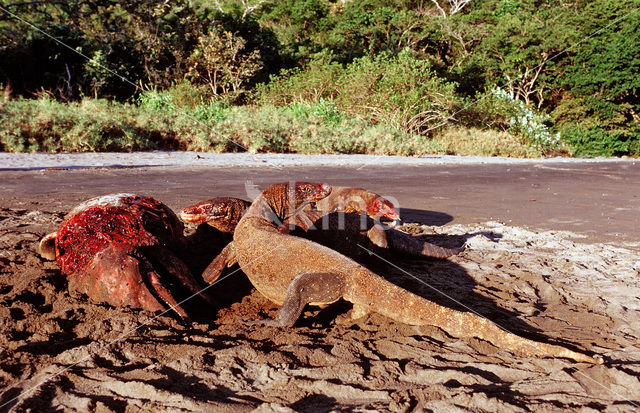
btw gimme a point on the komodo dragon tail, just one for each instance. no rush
(371, 292)
(408, 244)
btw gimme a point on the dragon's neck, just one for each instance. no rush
(276, 207)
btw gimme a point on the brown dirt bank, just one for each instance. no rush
(59, 351)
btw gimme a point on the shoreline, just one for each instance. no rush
(89, 160)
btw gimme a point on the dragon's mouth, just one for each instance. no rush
(200, 213)
(196, 219)
(323, 191)
(394, 216)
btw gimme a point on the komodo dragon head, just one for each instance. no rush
(382, 207)
(222, 213)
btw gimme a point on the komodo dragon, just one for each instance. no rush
(359, 201)
(293, 272)
(223, 213)
(336, 230)
(356, 200)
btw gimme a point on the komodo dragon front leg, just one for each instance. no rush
(226, 258)
(315, 289)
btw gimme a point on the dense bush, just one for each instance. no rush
(599, 141)
(163, 121)
(221, 61)
(92, 125)
(126, 44)
(398, 90)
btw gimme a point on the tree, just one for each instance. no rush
(298, 24)
(366, 28)
(221, 61)
(607, 65)
(521, 50)
(600, 109)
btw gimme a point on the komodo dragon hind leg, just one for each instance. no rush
(226, 258)
(316, 288)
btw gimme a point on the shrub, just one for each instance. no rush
(597, 141)
(45, 125)
(497, 110)
(221, 62)
(594, 126)
(99, 125)
(152, 99)
(324, 110)
(91, 125)
(185, 99)
(401, 90)
(315, 82)
(186, 95)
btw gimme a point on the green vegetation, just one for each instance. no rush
(157, 123)
(399, 90)
(488, 77)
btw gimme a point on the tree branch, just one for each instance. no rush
(457, 5)
(444, 13)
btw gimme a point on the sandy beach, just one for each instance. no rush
(553, 268)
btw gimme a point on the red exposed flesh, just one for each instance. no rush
(84, 235)
(117, 249)
(155, 216)
(145, 222)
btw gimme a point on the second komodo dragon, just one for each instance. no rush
(293, 272)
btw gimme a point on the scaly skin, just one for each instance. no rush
(117, 249)
(293, 272)
(357, 201)
(331, 227)
(343, 232)
(222, 213)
